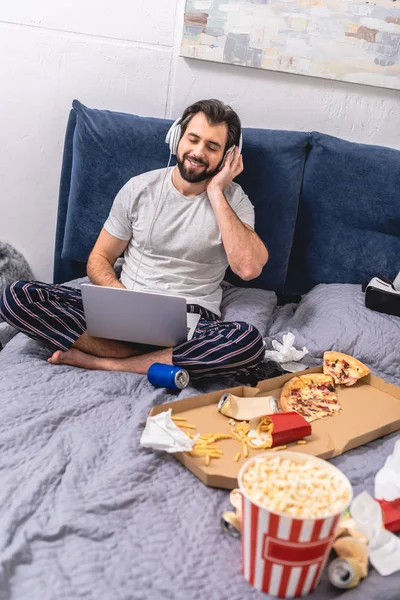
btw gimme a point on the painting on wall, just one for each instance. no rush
(349, 40)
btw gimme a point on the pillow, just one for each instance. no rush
(272, 178)
(348, 224)
(108, 149)
(334, 317)
(6, 333)
(251, 305)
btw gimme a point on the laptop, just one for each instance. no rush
(140, 317)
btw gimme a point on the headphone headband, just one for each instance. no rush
(175, 133)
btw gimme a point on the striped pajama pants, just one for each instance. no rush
(54, 314)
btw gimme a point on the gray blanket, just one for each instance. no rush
(334, 317)
(87, 513)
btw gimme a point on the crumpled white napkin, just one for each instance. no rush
(387, 479)
(383, 545)
(161, 433)
(286, 354)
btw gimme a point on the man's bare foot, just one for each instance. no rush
(75, 358)
(134, 364)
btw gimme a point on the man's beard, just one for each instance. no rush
(190, 174)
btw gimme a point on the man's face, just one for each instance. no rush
(201, 149)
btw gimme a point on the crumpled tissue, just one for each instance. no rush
(161, 433)
(387, 479)
(286, 354)
(383, 546)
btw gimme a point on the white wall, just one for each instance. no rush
(124, 56)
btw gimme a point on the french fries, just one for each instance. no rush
(207, 448)
(240, 431)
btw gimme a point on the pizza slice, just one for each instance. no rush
(345, 369)
(321, 391)
(313, 396)
(317, 381)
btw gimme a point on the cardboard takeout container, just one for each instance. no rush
(370, 410)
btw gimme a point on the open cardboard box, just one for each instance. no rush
(370, 409)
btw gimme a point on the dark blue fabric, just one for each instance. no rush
(272, 176)
(109, 148)
(44, 312)
(66, 270)
(348, 227)
(55, 314)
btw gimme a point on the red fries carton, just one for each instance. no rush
(288, 427)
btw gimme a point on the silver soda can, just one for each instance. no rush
(168, 376)
(342, 574)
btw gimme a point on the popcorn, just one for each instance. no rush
(302, 490)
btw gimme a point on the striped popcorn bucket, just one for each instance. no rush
(282, 555)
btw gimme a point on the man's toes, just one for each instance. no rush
(56, 358)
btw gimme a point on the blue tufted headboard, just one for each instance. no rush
(348, 224)
(328, 210)
(104, 149)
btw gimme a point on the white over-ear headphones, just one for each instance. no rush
(174, 135)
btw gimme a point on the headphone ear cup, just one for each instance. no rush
(176, 138)
(229, 151)
(221, 166)
(173, 136)
(240, 145)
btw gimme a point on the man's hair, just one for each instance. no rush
(216, 112)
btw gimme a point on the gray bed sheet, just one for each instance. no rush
(87, 513)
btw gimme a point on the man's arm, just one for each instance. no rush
(102, 258)
(245, 251)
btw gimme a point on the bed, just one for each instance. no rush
(85, 511)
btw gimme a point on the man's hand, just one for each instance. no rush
(230, 170)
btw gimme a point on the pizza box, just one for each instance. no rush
(370, 410)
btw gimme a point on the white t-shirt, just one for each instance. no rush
(184, 255)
